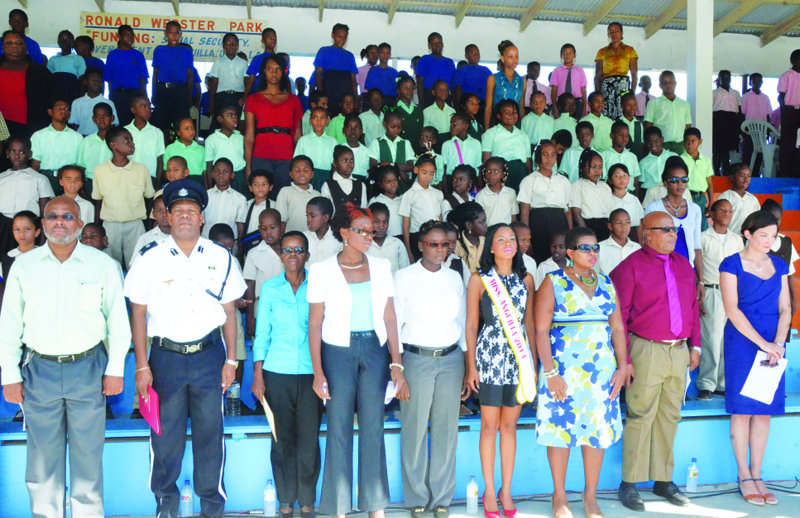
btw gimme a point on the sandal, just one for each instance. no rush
(752, 498)
(417, 512)
(768, 497)
(441, 511)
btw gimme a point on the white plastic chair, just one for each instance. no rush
(765, 141)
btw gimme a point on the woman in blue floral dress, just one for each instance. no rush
(581, 342)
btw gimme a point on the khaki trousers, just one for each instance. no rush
(653, 409)
(712, 329)
(122, 237)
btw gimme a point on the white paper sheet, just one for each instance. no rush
(762, 382)
(391, 392)
(688, 381)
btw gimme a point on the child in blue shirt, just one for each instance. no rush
(383, 77)
(431, 68)
(126, 74)
(470, 78)
(67, 67)
(173, 78)
(269, 38)
(335, 68)
(84, 45)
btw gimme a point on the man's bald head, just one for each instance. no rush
(62, 221)
(63, 201)
(654, 237)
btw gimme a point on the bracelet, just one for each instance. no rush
(551, 374)
(398, 365)
(232, 363)
(146, 368)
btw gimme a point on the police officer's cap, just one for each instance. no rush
(185, 189)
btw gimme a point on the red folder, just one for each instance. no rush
(149, 410)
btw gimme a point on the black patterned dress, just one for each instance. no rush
(495, 360)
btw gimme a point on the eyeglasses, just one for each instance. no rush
(363, 232)
(665, 230)
(65, 217)
(587, 248)
(678, 179)
(299, 250)
(431, 244)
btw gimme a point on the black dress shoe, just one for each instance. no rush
(630, 498)
(719, 393)
(704, 395)
(671, 493)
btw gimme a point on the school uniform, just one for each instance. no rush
(636, 144)
(512, 145)
(373, 126)
(456, 152)
(412, 122)
(195, 156)
(395, 219)
(529, 263)
(500, 206)
(148, 146)
(218, 145)
(725, 107)
(743, 206)
(531, 87)
(92, 152)
(67, 71)
(688, 231)
(122, 190)
(393, 250)
(171, 97)
(319, 148)
(19, 190)
(53, 149)
(716, 247)
(230, 74)
(549, 199)
(180, 312)
(338, 68)
(545, 267)
(671, 117)
(261, 264)
(384, 79)
(451, 201)
(321, 249)
(154, 235)
(570, 162)
(123, 72)
(86, 209)
(658, 192)
(595, 204)
(457, 265)
(472, 79)
(538, 127)
(611, 254)
(632, 206)
(431, 69)
(651, 167)
(567, 122)
(305, 123)
(397, 151)
(291, 203)
(341, 190)
(224, 206)
(570, 80)
(700, 169)
(642, 99)
(437, 117)
(626, 158)
(360, 160)
(601, 140)
(333, 129)
(469, 253)
(82, 112)
(420, 205)
(755, 106)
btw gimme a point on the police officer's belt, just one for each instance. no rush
(66, 358)
(187, 347)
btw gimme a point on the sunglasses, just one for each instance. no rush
(299, 250)
(587, 248)
(436, 245)
(363, 232)
(65, 217)
(678, 179)
(665, 230)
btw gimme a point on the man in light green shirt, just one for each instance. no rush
(61, 301)
(671, 114)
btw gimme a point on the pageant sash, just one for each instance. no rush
(526, 389)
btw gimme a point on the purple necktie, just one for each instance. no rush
(675, 317)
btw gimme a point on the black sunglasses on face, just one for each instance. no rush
(665, 230)
(678, 179)
(289, 250)
(587, 248)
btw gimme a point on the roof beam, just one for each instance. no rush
(23, 3)
(776, 31)
(101, 5)
(738, 12)
(664, 18)
(598, 15)
(462, 11)
(249, 5)
(530, 14)
(175, 6)
(321, 8)
(393, 9)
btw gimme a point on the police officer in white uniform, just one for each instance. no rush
(182, 292)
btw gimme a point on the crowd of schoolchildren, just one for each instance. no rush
(456, 143)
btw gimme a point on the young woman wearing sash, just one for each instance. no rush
(581, 341)
(500, 364)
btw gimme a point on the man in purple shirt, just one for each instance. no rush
(657, 297)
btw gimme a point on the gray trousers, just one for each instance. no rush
(429, 478)
(60, 400)
(712, 329)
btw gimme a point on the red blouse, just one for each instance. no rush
(14, 101)
(274, 146)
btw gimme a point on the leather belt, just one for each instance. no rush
(230, 92)
(187, 347)
(431, 353)
(66, 358)
(274, 129)
(171, 85)
(712, 286)
(669, 343)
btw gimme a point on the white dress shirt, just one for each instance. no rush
(373, 126)
(717, 247)
(742, 206)
(547, 266)
(395, 219)
(499, 207)
(392, 249)
(593, 199)
(346, 184)
(538, 191)
(228, 206)
(261, 263)
(21, 190)
(321, 249)
(291, 203)
(632, 206)
(230, 73)
(420, 205)
(611, 254)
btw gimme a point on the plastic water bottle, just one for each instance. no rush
(187, 505)
(269, 499)
(691, 477)
(472, 496)
(67, 505)
(232, 402)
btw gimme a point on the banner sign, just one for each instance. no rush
(203, 34)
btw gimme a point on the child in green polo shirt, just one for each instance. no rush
(189, 149)
(391, 148)
(438, 114)
(147, 139)
(619, 154)
(635, 126)
(700, 171)
(652, 165)
(93, 150)
(409, 113)
(347, 105)
(315, 98)
(572, 156)
(228, 143)
(508, 142)
(318, 146)
(56, 145)
(566, 121)
(537, 124)
(353, 130)
(600, 123)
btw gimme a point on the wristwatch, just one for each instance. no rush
(232, 363)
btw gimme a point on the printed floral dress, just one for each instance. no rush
(581, 344)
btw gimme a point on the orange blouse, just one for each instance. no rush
(616, 63)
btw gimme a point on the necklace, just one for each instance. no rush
(674, 210)
(359, 265)
(588, 282)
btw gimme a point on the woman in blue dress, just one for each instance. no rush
(755, 293)
(580, 339)
(505, 84)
